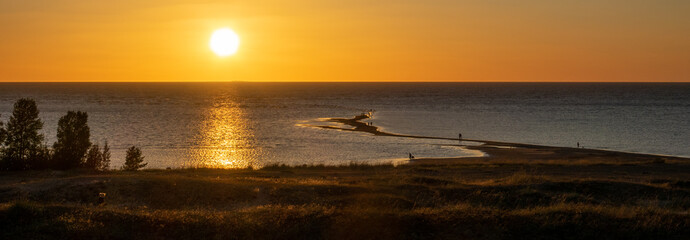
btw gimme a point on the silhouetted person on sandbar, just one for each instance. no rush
(411, 157)
(459, 135)
(578, 144)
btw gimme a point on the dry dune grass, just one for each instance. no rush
(353, 201)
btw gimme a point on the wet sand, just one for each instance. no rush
(507, 152)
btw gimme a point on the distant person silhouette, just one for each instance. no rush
(411, 157)
(459, 135)
(578, 144)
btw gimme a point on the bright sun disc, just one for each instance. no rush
(224, 42)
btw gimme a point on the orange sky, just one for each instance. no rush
(356, 40)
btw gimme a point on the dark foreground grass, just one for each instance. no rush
(459, 201)
(567, 221)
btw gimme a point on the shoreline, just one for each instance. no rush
(528, 191)
(497, 151)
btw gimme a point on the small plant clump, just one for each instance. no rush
(134, 160)
(97, 159)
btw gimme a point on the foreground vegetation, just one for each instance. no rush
(473, 200)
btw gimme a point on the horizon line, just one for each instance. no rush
(350, 81)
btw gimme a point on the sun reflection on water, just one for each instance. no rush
(225, 138)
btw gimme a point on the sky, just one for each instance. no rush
(355, 40)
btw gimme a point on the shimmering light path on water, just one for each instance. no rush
(242, 124)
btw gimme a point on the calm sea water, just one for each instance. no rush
(238, 124)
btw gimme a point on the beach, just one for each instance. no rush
(513, 191)
(268, 164)
(344, 120)
(510, 153)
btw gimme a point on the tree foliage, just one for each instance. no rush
(72, 140)
(21, 137)
(41, 160)
(3, 133)
(93, 157)
(97, 159)
(134, 160)
(105, 157)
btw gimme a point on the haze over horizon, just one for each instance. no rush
(311, 40)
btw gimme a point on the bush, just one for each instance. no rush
(134, 160)
(97, 159)
(41, 160)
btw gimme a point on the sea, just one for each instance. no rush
(242, 124)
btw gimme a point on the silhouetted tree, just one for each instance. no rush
(22, 140)
(134, 160)
(3, 134)
(105, 157)
(93, 157)
(41, 160)
(72, 140)
(97, 159)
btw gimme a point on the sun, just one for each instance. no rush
(224, 42)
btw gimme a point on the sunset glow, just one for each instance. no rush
(356, 119)
(315, 40)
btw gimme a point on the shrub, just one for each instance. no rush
(97, 159)
(134, 160)
(41, 159)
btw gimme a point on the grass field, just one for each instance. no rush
(462, 200)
